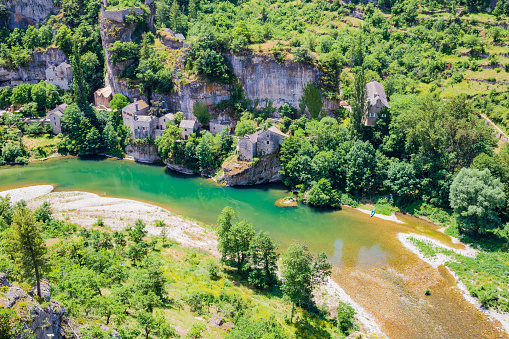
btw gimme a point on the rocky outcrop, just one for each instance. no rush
(35, 71)
(28, 12)
(241, 173)
(178, 168)
(113, 28)
(143, 153)
(42, 320)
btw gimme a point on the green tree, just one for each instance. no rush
(312, 99)
(174, 17)
(93, 142)
(263, 257)
(21, 94)
(301, 273)
(38, 94)
(53, 97)
(245, 127)
(358, 102)
(322, 194)
(346, 318)
(178, 117)
(191, 9)
(30, 246)
(119, 101)
(80, 88)
(201, 112)
(475, 196)
(401, 180)
(138, 232)
(196, 331)
(361, 165)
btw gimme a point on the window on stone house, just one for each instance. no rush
(268, 142)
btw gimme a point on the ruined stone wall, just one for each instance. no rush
(268, 143)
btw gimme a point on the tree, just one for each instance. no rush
(196, 331)
(39, 94)
(191, 9)
(178, 117)
(287, 110)
(401, 180)
(235, 245)
(30, 246)
(322, 194)
(312, 99)
(475, 196)
(93, 142)
(119, 101)
(301, 272)
(137, 232)
(201, 112)
(358, 102)
(21, 94)
(174, 18)
(361, 165)
(80, 88)
(245, 127)
(346, 318)
(263, 257)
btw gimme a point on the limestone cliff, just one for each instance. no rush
(113, 27)
(35, 71)
(42, 320)
(28, 12)
(262, 78)
(241, 173)
(143, 153)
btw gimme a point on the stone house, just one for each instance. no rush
(161, 126)
(377, 103)
(217, 126)
(188, 128)
(135, 116)
(60, 75)
(260, 143)
(54, 117)
(102, 97)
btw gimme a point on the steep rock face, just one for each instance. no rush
(240, 173)
(41, 320)
(35, 71)
(143, 153)
(28, 12)
(113, 28)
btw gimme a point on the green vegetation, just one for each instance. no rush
(168, 286)
(485, 275)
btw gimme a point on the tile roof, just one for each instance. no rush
(187, 124)
(276, 130)
(105, 92)
(59, 110)
(375, 91)
(135, 107)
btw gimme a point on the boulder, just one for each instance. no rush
(3, 280)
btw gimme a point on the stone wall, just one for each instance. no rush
(268, 143)
(143, 153)
(35, 71)
(28, 12)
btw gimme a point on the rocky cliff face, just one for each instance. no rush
(263, 80)
(240, 173)
(28, 12)
(42, 320)
(143, 153)
(35, 71)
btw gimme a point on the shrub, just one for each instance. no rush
(201, 112)
(301, 55)
(122, 51)
(196, 331)
(346, 319)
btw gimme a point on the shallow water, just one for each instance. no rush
(370, 263)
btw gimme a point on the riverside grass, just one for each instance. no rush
(486, 275)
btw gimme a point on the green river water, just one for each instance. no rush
(369, 262)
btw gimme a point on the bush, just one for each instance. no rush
(301, 55)
(346, 319)
(201, 112)
(214, 66)
(122, 51)
(196, 331)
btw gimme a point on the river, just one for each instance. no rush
(369, 261)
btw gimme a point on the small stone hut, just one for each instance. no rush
(102, 97)
(188, 128)
(60, 75)
(260, 143)
(54, 117)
